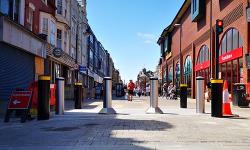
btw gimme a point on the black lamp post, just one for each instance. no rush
(86, 33)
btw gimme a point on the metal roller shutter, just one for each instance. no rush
(16, 70)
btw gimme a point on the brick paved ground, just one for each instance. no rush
(131, 128)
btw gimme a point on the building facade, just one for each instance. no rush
(188, 43)
(22, 52)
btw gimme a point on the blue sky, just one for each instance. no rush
(129, 30)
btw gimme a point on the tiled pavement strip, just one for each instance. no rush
(131, 128)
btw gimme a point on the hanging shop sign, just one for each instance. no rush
(57, 52)
(202, 66)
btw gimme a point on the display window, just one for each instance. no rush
(231, 61)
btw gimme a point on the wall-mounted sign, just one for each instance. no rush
(234, 54)
(202, 66)
(57, 52)
(83, 69)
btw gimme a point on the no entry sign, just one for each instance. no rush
(20, 100)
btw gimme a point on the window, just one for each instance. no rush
(45, 26)
(73, 28)
(10, 8)
(204, 55)
(73, 52)
(53, 33)
(59, 7)
(30, 19)
(59, 38)
(197, 9)
(188, 71)
(230, 41)
(65, 40)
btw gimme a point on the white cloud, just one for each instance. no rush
(147, 37)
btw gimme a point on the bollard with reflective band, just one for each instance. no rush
(154, 109)
(200, 95)
(216, 97)
(43, 98)
(107, 98)
(78, 95)
(60, 96)
(183, 95)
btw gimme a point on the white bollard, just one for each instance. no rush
(200, 95)
(154, 109)
(107, 98)
(60, 96)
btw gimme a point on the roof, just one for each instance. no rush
(176, 20)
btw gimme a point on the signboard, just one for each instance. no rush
(20, 100)
(83, 69)
(203, 65)
(57, 52)
(234, 54)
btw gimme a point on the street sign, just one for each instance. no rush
(20, 100)
(83, 69)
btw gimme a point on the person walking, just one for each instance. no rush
(131, 87)
(165, 90)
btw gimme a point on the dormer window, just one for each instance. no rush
(197, 9)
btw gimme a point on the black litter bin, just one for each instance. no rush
(239, 95)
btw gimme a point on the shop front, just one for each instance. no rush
(231, 58)
(202, 67)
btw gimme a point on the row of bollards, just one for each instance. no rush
(44, 88)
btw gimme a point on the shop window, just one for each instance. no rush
(177, 74)
(204, 54)
(188, 71)
(170, 74)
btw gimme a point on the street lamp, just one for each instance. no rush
(86, 33)
(180, 54)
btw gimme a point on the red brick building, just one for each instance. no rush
(188, 43)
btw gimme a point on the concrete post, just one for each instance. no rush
(107, 98)
(60, 96)
(154, 109)
(200, 95)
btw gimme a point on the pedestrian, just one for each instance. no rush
(148, 90)
(139, 91)
(208, 92)
(131, 87)
(165, 90)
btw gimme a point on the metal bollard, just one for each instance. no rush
(216, 97)
(183, 95)
(78, 95)
(107, 98)
(60, 96)
(43, 98)
(200, 95)
(154, 109)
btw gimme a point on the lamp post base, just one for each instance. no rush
(107, 111)
(152, 110)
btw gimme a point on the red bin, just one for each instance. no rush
(52, 94)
